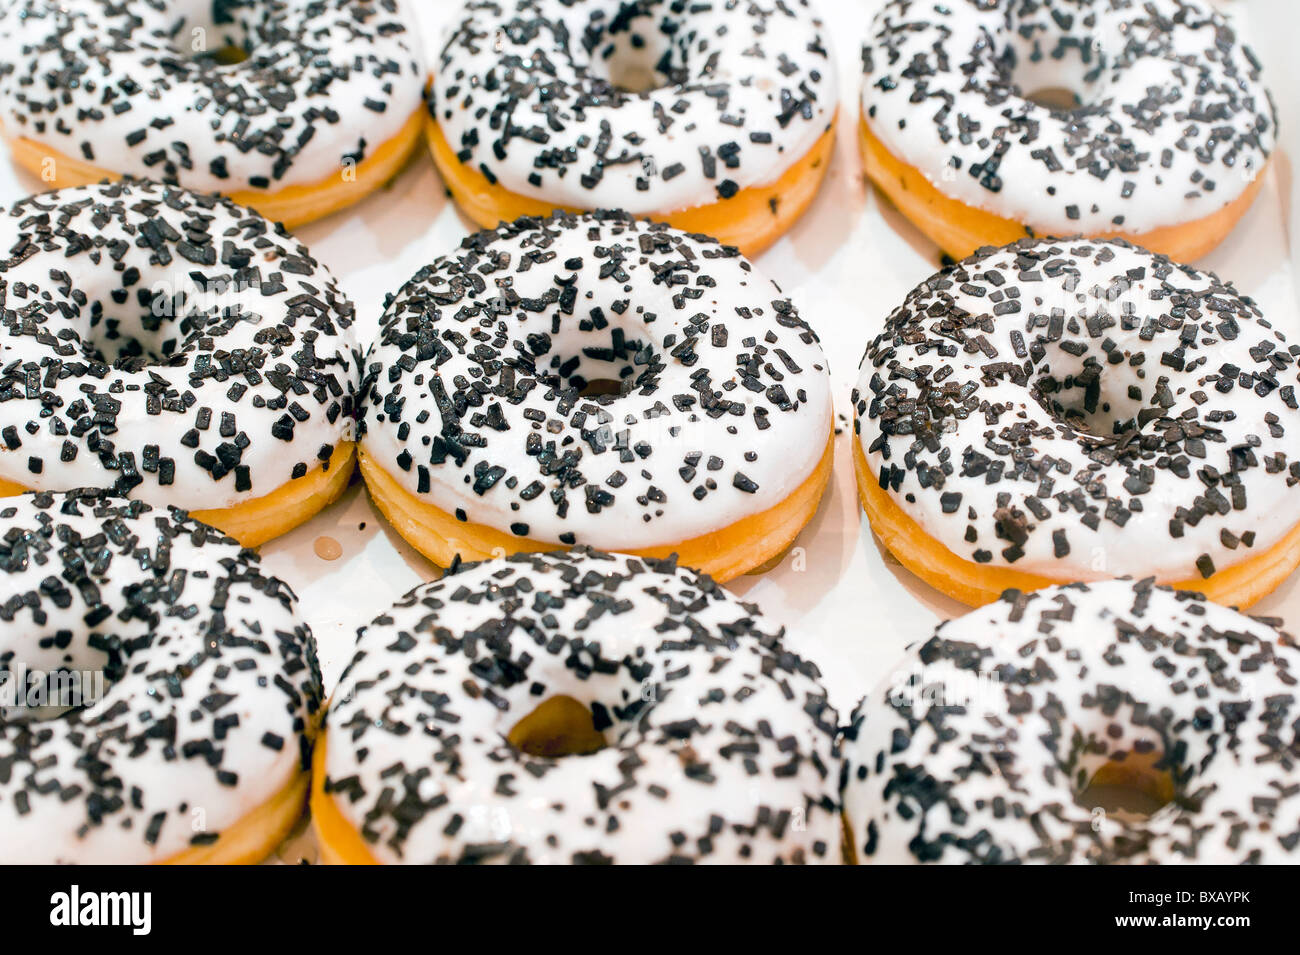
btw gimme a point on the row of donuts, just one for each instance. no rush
(1140, 120)
(1047, 412)
(588, 708)
(349, 792)
(559, 465)
(181, 349)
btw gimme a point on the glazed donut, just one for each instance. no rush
(988, 120)
(988, 745)
(598, 380)
(1051, 412)
(192, 682)
(715, 117)
(296, 108)
(173, 347)
(703, 738)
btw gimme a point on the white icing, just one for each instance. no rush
(1102, 292)
(676, 456)
(973, 749)
(523, 89)
(210, 681)
(1174, 123)
(719, 741)
(249, 367)
(326, 84)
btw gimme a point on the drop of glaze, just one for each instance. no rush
(327, 548)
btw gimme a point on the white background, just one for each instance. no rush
(846, 264)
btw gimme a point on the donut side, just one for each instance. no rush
(960, 230)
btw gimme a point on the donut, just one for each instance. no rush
(985, 121)
(296, 108)
(1059, 411)
(715, 117)
(177, 348)
(161, 690)
(576, 708)
(596, 379)
(1004, 735)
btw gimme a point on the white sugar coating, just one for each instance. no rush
(210, 682)
(720, 741)
(1173, 125)
(1084, 409)
(137, 88)
(975, 748)
(545, 97)
(473, 391)
(173, 346)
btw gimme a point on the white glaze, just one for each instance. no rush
(644, 469)
(939, 98)
(972, 750)
(294, 113)
(274, 330)
(535, 62)
(1054, 465)
(211, 681)
(717, 735)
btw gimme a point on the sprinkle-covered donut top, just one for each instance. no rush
(169, 345)
(649, 106)
(197, 682)
(1172, 121)
(719, 741)
(478, 391)
(1084, 409)
(148, 89)
(977, 748)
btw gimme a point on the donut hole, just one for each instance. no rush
(40, 696)
(1079, 402)
(1056, 98)
(165, 319)
(1052, 56)
(636, 51)
(220, 33)
(1129, 786)
(129, 342)
(60, 675)
(558, 726)
(1103, 397)
(590, 365)
(114, 343)
(600, 387)
(230, 55)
